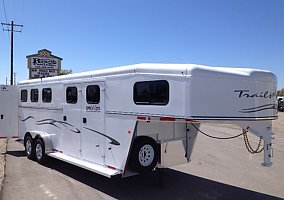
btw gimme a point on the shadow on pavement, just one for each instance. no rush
(16, 153)
(168, 184)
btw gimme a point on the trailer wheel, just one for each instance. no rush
(143, 157)
(39, 150)
(29, 150)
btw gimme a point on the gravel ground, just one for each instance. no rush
(2, 159)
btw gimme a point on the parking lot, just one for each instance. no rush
(220, 169)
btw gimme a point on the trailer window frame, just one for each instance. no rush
(93, 97)
(155, 92)
(24, 95)
(70, 96)
(46, 96)
(34, 95)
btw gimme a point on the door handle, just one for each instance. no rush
(64, 118)
(84, 120)
(2, 116)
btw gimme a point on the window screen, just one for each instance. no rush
(46, 95)
(34, 95)
(151, 92)
(71, 95)
(24, 95)
(93, 94)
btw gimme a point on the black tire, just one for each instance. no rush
(29, 147)
(144, 155)
(39, 151)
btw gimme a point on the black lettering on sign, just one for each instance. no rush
(44, 62)
(248, 94)
(93, 108)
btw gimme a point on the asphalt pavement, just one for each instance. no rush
(218, 170)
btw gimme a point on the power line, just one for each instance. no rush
(14, 5)
(4, 7)
(23, 1)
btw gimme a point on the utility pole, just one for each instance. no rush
(15, 81)
(12, 45)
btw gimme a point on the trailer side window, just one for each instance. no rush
(151, 92)
(24, 95)
(93, 94)
(46, 95)
(71, 95)
(34, 95)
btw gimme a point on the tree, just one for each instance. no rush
(280, 92)
(65, 72)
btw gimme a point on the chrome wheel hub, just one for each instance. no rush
(38, 151)
(146, 155)
(28, 147)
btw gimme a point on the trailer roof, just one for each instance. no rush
(154, 68)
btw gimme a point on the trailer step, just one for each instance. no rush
(105, 171)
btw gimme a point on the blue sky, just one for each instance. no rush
(97, 34)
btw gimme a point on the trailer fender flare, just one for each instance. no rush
(46, 138)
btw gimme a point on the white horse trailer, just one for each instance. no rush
(8, 111)
(132, 119)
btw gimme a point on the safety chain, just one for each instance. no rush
(248, 146)
(244, 133)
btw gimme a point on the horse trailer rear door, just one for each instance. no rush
(8, 111)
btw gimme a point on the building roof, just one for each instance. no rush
(38, 54)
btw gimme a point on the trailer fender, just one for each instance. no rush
(46, 138)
